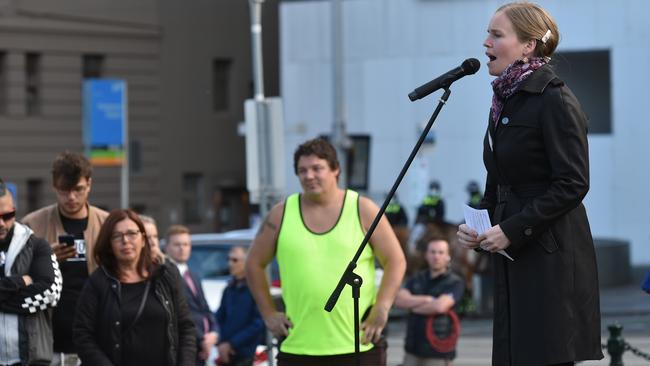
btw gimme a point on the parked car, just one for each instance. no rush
(209, 261)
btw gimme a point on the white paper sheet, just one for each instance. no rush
(479, 220)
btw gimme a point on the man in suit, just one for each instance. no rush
(179, 248)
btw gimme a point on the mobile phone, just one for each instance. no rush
(67, 239)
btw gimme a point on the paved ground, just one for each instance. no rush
(627, 306)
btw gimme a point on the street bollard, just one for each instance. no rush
(615, 345)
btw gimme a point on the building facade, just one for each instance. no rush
(187, 69)
(392, 47)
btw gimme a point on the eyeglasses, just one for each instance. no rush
(130, 234)
(76, 191)
(8, 215)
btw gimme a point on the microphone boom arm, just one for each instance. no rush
(348, 274)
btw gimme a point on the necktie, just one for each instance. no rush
(190, 283)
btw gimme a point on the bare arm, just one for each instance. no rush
(391, 258)
(406, 300)
(259, 256)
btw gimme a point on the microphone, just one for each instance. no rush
(468, 67)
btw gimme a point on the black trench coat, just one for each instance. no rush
(546, 307)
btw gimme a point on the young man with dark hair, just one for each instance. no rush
(73, 220)
(314, 235)
(30, 285)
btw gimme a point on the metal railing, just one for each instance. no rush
(616, 346)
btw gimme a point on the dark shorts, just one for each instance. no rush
(375, 357)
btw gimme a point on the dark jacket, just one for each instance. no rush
(97, 330)
(30, 305)
(240, 323)
(416, 342)
(199, 308)
(546, 301)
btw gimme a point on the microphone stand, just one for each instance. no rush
(353, 279)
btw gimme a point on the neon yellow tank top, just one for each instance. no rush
(310, 267)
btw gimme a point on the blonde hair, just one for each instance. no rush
(147, 219)
(177, 229)
(531, 21)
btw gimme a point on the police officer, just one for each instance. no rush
(475, 195)
(395, 213)
(432, 209)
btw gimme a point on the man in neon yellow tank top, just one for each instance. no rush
(314, 235)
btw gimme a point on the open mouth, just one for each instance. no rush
(492, 58)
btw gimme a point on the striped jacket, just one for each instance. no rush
(25, 311)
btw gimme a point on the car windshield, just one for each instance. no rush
(210, 261)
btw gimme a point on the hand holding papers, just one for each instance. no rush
(479, 220)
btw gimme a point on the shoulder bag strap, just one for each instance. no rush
(141, 308)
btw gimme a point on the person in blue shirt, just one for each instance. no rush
(240, 324)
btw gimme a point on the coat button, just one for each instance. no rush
(528, 231)
(117, 323)
(505, 120)
(117, 346)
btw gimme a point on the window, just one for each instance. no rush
(135, 156)
(92, 66)
(32, 83)
(358, 161)
(221, 84)
(587, 73)
(34, 194)
(3, 83)
(193, 198)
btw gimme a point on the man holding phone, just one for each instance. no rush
(71, 227)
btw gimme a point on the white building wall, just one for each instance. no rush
(391, 47)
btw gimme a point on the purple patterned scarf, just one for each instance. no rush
(509, 81)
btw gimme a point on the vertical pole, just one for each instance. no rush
(124, 184)
(357, 281)
(615, 345)
(339, 135)
(263, 132)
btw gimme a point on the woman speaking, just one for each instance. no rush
(546, 309)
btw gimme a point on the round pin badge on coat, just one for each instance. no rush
(505, 120)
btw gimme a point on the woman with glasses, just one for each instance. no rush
(132, 310)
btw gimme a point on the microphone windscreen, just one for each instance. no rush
(471, 66)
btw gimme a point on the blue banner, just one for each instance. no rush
(104, 121)
(104, 112)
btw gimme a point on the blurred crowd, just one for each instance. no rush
(82, 285)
